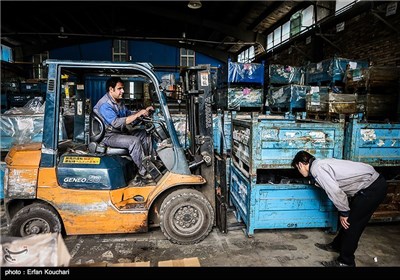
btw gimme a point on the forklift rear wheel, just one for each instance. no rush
(34, 219)
(186, 217)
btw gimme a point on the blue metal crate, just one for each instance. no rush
(248, 97)
(265, 144)
(2, 169)
(245, 72)
(222, 126)
(331, 70)
(288, 98)
(285, 74)
(270, 143)
(377, 144)
(272, 206)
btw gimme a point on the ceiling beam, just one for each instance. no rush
(270, 9)
(171, 15)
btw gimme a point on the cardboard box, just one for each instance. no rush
(132, 264)
(186, 262)
(98, 264)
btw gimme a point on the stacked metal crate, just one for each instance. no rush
(323, 103)
(331, 101)
(377, 144)
(239, 88)
(266, 191)
(286, 90)
(331, 72)
(377, 90)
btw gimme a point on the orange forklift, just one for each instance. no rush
(72, 183)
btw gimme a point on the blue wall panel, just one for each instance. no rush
(155, 53)
(91, 51)
(140, 51)
(203, 59)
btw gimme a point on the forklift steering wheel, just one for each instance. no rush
(144, 120)
(147, 122)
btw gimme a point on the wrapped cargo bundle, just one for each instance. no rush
(285, 74)
(342, 103)
(180, 127)
(374, 79)
(330, 103)
(332, 70)
(244, 97)
(222, 124)
(287, 98)
(316, 100)
(378, 106)
(245, 72)
(22, 125)
(242, 86)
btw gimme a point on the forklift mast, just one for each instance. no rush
(197, 89)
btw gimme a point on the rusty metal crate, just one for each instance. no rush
(262, 148)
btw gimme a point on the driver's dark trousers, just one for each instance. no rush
(362, 205)
(137, 143)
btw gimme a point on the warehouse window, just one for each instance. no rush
(295, 24)
(299, 21)
(247, 56)
(277, 36)
(286, 31)
(39, 72)
(6, 54)
(187, 57)
(308, 17)
(120, 50)
(343, 5)
(270, 41)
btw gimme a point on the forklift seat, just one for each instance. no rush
(97, 132)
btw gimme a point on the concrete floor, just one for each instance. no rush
(379, 247)
(266, 248)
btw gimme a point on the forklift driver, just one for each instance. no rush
(116, 116)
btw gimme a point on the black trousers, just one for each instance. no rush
(362, 206)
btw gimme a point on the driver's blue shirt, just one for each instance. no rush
(114, 114)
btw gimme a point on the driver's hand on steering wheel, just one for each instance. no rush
(145, 112)
(149, 110)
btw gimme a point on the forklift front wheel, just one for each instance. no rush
(34, 219)
(186, 216)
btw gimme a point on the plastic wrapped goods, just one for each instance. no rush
(285, 74)
(21, 125)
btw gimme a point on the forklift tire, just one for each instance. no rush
(186, 217)
(34, 219)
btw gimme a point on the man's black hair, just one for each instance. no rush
(112, 82)
(303, 157)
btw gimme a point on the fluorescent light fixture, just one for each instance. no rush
(194, 4)
(62, 35)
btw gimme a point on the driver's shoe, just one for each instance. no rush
(146, 179)
(137, 182)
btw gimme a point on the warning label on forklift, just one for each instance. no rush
(82, 160)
